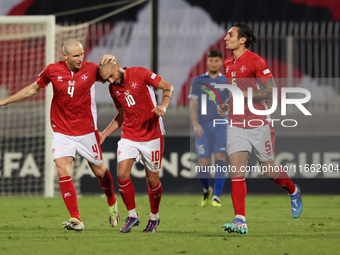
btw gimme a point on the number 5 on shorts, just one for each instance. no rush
(268, 147)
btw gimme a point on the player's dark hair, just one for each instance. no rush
(245, 31)
(214, 53)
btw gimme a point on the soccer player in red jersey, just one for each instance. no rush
(246, 69)
(132, 90)
(74, 124)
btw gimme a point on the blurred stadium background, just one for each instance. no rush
(299, 39)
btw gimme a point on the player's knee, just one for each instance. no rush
(98, 171)
(62, 172)
(152, 180)
(123, 174)
(99, 174)
(270, 175)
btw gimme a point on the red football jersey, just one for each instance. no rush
(73, 109)
(137, 98)
(247, 71)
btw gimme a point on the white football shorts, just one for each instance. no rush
(88, 146)
(148, 153)
(262, 139)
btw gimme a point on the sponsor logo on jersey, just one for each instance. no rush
(233, 74)
(266, 71)
(60, 78)
(71, 83)
(153, 76)
(126, 92)
(226, 71)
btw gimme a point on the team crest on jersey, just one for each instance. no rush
(71, 83)
(126, 92)
(242, 69)
(134, 85)
(233, 74)
(84, 77)
(60, 78)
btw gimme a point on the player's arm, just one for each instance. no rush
(26, 92)
(113, 126)
(198, 131)
(168, 91)
(266, 92)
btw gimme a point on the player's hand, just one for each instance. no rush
(222, 108)
(102, 137)
(107, 59)
(160, 110)
(2, 102)
(198, 130)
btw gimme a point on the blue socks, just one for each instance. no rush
(219, 178)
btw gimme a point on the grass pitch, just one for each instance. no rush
(32, 225)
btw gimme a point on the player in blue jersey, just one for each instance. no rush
(210, 138)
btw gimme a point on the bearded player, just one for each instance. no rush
(132, 90)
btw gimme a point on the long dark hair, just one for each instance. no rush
(245, 31)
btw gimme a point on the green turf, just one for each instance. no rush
(32, 225)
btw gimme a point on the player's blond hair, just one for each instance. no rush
(71, 42)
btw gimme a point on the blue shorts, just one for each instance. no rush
(213, 140)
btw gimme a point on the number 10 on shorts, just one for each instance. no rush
(155, 156)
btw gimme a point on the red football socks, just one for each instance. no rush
(155, 195)
(107, 185)
(127, 191)
(282, 179)
(238, 195)
(69, 195)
